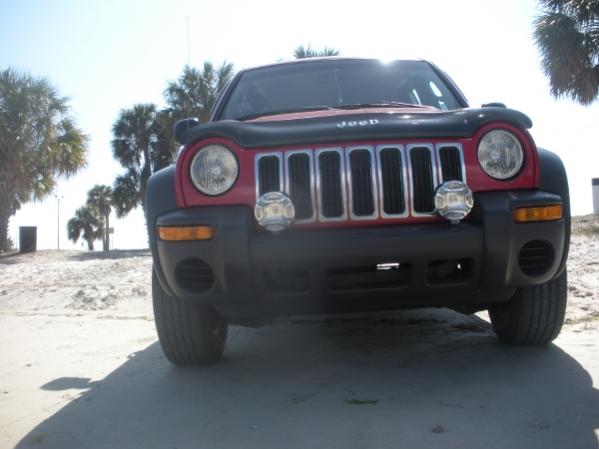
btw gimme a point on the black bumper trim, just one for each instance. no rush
(240, 255)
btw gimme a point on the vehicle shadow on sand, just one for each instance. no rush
(418, 379)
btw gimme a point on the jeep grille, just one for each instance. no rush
(360, 182)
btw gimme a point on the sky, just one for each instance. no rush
(108, 55)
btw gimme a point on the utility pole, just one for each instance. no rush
(58, 220)
(188, 42)
(595, 184)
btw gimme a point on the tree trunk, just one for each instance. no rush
(145, 173)
(106, 241)
(90, 245)
(8, 207)
(4, 217)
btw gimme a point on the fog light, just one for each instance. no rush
(453, 200)
(274, 211)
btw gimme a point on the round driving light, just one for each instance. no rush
(214, 170)
(453, 200)
(500, 154)
(274, 211)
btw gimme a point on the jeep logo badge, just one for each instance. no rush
(353, 124)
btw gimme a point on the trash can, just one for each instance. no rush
(27, 239)
(595, 183)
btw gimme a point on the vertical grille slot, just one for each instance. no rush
(423, 179)
(450, 162)
(361, 183)
(331, 186)
(392, 181)
(269, 173)
(299, 178)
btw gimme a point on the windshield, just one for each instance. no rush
(336, 83)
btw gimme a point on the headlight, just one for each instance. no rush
(214, 170)
(500, 154)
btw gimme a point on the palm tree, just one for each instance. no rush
(567, 35)
(302, 52)
(39, 142)
(100, 199)
(126, 192)
(143, 138)
(164, 147)
(193, 94)
(86, 222)
(135, 134)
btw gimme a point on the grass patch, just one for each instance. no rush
(586, 225)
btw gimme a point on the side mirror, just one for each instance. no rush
(182, 126)
(493, 105)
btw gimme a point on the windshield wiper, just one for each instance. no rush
(285, 111)
(381, 104)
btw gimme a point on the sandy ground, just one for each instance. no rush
(80, 368)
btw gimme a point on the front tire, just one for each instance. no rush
(189, 334)
(534, 315)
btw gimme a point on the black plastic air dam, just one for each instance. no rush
(241, 257)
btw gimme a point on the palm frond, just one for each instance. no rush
(87, 224)
(302, 52)
(100, 198)
(567, 35)
(193, 94)
(126, 192)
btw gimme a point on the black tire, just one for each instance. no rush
(189, 334)
(534, 315)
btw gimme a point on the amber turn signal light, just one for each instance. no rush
(185, 233)
(538, 213)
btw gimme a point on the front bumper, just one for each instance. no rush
(256, 274)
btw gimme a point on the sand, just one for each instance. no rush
(80, 367)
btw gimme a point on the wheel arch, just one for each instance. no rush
(553, 178)
(160, 198)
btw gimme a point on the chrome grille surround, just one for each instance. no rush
(433, 166)
(404, 180)
(408, 182)
(310, 155)
(373, 181)
(319, 189)
(259, 156)
(439, 147)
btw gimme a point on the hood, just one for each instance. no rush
(329, 126)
